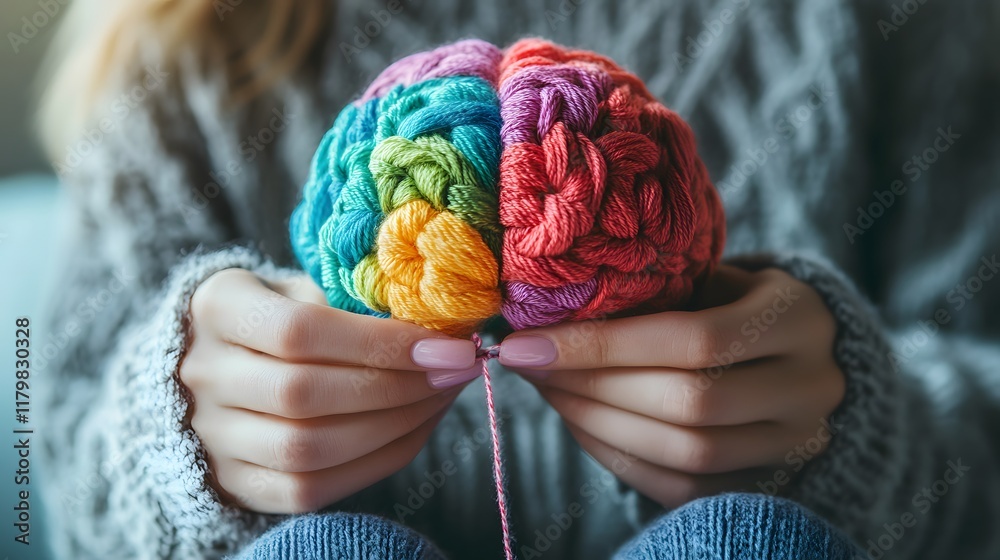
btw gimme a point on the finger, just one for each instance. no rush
(762, 323)
(299, 287)
(314, 443)
(270, 491)
(247, 379)
(768, 389)
(242, 310)
(691, 450)
(665, 486)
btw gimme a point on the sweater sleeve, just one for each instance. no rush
(124, 475)
(913, 450)
(152, 498)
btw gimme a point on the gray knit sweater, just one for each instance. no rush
(878, 126)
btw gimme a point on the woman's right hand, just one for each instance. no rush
(299, 404)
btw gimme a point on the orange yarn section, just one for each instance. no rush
(432, 264)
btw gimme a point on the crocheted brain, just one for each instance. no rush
(537, 182)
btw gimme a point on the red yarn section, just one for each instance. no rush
(627, 204)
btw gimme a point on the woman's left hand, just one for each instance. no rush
(684, 404)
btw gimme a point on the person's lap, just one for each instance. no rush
(726, 527)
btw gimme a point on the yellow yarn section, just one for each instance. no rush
(432, 269)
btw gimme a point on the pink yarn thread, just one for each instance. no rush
(485, 355)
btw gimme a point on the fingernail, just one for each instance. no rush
(443, 353)
(444, 378)
(527, 351)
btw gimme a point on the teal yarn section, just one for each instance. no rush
(465, 113)
(465, 110)
(384, 152)
(331, 173)
(307, 217)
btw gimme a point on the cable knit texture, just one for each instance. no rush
(803, 111)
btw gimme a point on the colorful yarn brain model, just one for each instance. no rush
(537, 182)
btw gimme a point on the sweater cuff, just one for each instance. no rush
(158, 449)
(842, 484)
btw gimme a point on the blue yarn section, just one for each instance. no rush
(336, 224)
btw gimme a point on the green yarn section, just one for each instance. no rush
(433, 169)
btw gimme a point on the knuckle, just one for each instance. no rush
(292, 449)
(587, 340)
(773, 275)
(704, 344)
(389, 394)
(371, 346)
(292, 330)
(302, 494)
(699, 454)
(188, 376)
(695, 407)
(194, 363)
(198, 425)
(211, 290)
(294, 392)
(601, 345)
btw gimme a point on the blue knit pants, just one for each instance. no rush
(726, 527)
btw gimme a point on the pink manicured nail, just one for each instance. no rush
(527, 351)
(443, 353)
(444, 378)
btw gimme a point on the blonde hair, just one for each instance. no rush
(101, 43)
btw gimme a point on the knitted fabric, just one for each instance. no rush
(740, 527)
(725, 527)
(541, 183)
(340, 536)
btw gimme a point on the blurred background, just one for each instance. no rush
(29, 218)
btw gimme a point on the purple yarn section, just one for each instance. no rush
(471, 57)
(535, 98)
(525, 305)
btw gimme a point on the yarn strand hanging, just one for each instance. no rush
(485, 355)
